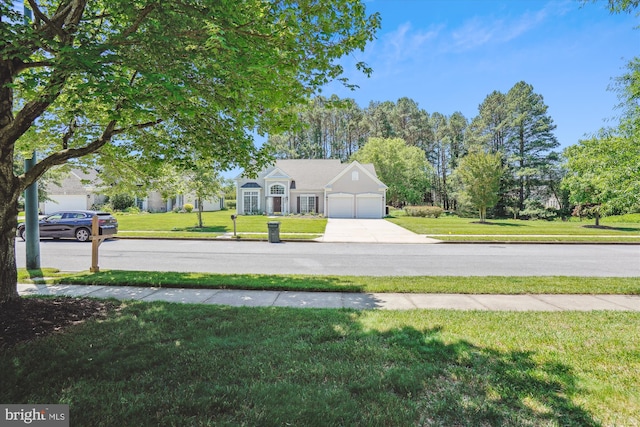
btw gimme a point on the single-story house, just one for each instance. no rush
(75, 192)
(320, 186)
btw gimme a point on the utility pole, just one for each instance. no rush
(32, 226)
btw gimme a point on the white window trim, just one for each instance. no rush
(277, 184)
(246, 192)
(307, 197)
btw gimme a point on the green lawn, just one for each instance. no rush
(165, 364)
(172, 224)
(412, 284)
(448, 228)
(455, 228)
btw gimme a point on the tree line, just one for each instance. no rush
(515, 125)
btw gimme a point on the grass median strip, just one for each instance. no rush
(173, 364)
(412, 284)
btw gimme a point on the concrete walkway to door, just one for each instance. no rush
(369, 231)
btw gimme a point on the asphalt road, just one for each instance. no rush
(343, 258)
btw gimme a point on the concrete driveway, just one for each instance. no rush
(369, 231)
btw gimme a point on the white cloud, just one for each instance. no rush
(480, 31)
(405, 42)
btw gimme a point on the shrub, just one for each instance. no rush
(188, 207)
(230, 204)
(536, 210)
(424, 211)
(120, 202)
(133, 210)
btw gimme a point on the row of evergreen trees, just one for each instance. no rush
(515, 124)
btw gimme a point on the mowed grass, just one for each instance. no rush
(412, 284)
(454, 228)
(165, 364)
(214, 223)
(625, 229)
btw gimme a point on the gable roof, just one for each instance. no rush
(356, 165)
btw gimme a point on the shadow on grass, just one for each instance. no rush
(162, 364)
(483, 386)
(607, 227)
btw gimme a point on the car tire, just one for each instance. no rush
(23, 234)
(82, 234)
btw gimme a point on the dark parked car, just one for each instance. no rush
(73, 224)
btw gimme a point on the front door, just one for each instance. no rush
(277, 204)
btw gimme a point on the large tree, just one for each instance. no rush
(604, 170)
(404, 169)
(530, 136)
(165, 80)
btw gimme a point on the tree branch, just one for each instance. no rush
(63, 156)
(138, 126)
(143, 15)
(37, 13)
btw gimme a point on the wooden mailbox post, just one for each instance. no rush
(96, 239)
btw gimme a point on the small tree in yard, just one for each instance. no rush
(158, 81)
(479, 174)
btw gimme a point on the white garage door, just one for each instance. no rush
(369, 206)
(340, 206)
(65, 203)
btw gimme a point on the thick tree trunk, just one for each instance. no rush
(9, 191)
(8, 224)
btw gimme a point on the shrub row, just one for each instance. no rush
(424, 211)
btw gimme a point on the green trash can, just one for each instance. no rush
(274, 231)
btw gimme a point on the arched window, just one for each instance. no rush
(276, 189)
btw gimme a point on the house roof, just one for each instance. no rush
(311, 174)
(76, 181)
(251, 185)
(307, 174)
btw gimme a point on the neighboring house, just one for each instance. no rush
(155, 203)
(75, 192)
(329, 187)
(78, 192)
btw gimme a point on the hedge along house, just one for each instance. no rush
(319, 186)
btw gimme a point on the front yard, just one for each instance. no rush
(176, 365)
(216, 224)
(452, 228)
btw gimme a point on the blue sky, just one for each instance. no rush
(448, 55)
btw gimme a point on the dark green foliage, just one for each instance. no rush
(121, 202)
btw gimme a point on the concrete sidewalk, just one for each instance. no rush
(385, 301)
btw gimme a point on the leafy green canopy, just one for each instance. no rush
(174, 80)
(605, 170)
(404, 169)
(479, 174)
